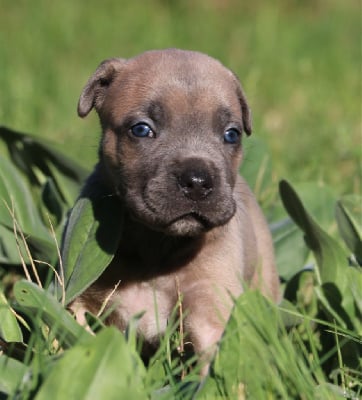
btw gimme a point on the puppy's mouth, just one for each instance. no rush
(172, 213)
(189, 224)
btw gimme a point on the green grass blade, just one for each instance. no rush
(90, 241)
(329, 254)
(34, 150)
(40, 302)
(290, 252)
(14, 191)
(257, 359)
(12, 373)
(102, 368)
(349, 219)
(9, 327)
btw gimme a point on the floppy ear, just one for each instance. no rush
(245, 112)
(94, 91)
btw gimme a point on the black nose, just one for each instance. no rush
(195, 182)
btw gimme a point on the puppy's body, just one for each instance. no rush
(192, 229)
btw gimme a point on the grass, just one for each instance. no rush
(299, 62)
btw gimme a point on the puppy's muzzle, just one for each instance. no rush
(184, 197)
(195, 180)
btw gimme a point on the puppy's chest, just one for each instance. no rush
(155, 299)
(152, 283)
(137, 283)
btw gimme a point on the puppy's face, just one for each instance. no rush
(172, 123)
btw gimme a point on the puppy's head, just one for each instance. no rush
(172, 123)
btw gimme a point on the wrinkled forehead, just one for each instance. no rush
(179, 78)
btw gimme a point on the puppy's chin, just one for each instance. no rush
(188, 225)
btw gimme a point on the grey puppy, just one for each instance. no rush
(172, 122)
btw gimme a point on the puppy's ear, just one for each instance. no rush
(245, 112)
(95, 90)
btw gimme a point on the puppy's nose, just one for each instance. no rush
(196, 183)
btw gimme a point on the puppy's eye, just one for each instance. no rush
(231, 136)
(142, 130)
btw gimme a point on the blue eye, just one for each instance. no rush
(231, 136)
(142, 130)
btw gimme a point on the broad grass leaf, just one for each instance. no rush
(355, 284)
(65, 165)
(68, 186)
(14, 191)
(290, 252)
(52, 204)
(35, 181)
(38, 164)
(44, 249)
(12, 374)
(300, 291)
(27, 151)
(101, 368)
(9, 327)
(331, 258)
(343, 307)
(40, 249)
(43, 304)
(349, 219)
(9, 253)
(319, 200)
(334, 275)
(90, 241)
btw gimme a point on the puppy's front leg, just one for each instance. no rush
(204, 334)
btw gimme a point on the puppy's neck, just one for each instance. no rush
(152, 253)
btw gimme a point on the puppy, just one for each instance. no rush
(172, 123)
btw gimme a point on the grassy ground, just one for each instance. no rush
(299, 62)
